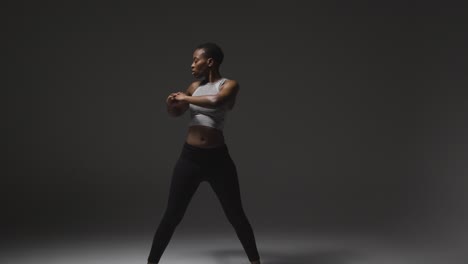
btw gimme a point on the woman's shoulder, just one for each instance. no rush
(231, 82)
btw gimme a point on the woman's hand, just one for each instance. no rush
(176, 107)
(180, 96)
(170, 99)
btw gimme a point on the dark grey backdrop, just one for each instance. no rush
(352, 117)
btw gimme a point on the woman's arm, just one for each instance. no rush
(226, 94)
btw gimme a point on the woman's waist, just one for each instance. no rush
(205, 154)
(205, 135)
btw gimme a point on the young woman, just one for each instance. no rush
(204, 156)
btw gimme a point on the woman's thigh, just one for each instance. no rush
(225, 183)
(184, 182)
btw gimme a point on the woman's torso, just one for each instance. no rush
(206, 136)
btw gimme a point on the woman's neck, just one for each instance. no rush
(213, 76)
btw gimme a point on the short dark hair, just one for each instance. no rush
(212, 51)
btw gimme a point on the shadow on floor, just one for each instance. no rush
(303, 256)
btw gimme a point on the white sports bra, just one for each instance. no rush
(210, 117)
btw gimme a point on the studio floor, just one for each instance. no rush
(217, 248)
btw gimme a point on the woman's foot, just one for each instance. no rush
(255, 262)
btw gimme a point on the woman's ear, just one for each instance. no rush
(210, 62)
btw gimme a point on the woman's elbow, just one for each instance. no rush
(219, 101)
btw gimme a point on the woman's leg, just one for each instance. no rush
(225, 183)
(184, 183)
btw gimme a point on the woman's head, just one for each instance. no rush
(206, 57)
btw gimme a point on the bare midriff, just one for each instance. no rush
(205, 137)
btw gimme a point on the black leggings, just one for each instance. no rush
(215, 166)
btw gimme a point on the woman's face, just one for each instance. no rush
(200, 63)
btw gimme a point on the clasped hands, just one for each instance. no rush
(178, 97)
